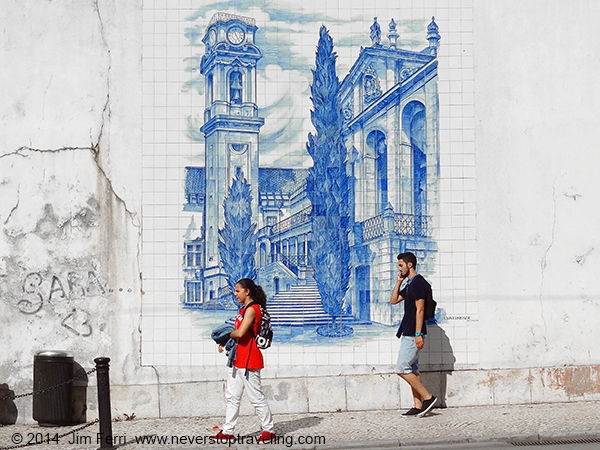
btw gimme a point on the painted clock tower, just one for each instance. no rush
(231, 127)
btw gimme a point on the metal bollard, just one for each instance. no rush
(105, 436)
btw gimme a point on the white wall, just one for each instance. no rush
(70, 138)
(537, 98)
(70, 188)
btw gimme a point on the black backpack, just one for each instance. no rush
(430, 307)
(430, 303)
(264, 338)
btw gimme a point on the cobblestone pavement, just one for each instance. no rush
(340, 430)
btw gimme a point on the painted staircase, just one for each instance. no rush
(299, 306)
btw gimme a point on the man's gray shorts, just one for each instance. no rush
(408, 355)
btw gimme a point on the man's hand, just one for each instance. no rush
(220, 349)
(395, 298)
(419, 342)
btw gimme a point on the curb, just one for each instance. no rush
(518, 438)
(357, 445)
(438, 442)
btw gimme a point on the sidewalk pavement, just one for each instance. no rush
(337, 430)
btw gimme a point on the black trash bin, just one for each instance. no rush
(52, 407)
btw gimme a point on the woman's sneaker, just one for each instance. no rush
(266, 437)
(220, 437)
(427, 405)
(411, 412)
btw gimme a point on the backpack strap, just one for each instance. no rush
(245, 308)
(253, 337)
(248, 361)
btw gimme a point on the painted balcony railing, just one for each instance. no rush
(373, 228)
(292, 262)
(406, 224)
(297, 219)
(412, 225)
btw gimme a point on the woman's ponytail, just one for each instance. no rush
(256, 291)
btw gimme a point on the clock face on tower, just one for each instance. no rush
(235, 35)
(212, 36)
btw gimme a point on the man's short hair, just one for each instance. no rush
(408, 257)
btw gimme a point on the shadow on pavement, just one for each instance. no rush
(298, 424)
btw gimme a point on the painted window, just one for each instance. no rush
(378, 147)
(193, 255)
(209, 89)
(235, 87)
(193, 291)
(413, 123)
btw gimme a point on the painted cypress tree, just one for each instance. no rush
(237, 238)
(328, 188)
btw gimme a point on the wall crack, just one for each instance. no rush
(544, 260)
(13, 209)
(22, 151)
(106, 111)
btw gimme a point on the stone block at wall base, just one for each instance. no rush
(351, 393)
(561, 384)
(285, 396)
(372, 392)
(199, 399)
(436, 383)
(326, 393)
(511, 387)
(470, 388)
(381, 391)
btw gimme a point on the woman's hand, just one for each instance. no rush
(221, 349)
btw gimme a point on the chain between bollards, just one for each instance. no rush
(104, 415)
(49, 388)
(104, 409)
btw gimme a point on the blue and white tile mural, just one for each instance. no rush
(306, 144)
(320, 230)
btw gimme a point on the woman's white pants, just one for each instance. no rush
(236, 382)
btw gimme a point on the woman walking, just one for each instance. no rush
(248, 362)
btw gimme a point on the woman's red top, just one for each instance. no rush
(248, 355)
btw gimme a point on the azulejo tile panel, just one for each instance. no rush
(305, 146)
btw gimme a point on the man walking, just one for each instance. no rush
(412, 330)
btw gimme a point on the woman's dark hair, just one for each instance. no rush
(256, 291)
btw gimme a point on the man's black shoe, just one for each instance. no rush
(427, 405)
(411, 412)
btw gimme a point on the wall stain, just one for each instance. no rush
(141, 398)
(574, 381)
(488, 381)
(574, 197)
(281, 394)
(581, 258)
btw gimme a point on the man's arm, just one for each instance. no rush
(420, 304)
(396, 297)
